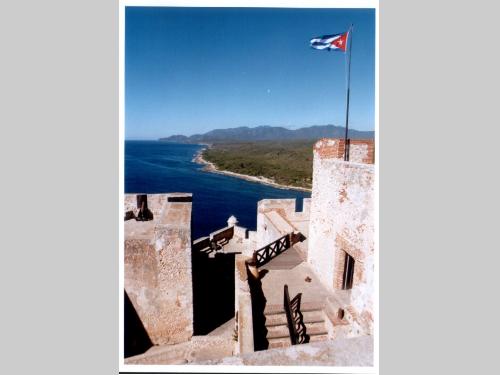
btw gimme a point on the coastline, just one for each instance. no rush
(211, 167)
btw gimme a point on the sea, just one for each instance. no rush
(160, 167)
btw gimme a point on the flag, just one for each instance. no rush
(335, 42)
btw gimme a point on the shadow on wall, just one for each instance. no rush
(258, 306)
(136, 338)
(213, 291)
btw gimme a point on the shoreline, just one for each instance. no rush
(210, 167)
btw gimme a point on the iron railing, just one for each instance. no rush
(290, 316)
(222, 236)
(216, 241)
(295, 320)
(272, 250)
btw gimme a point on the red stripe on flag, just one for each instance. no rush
(341, 43)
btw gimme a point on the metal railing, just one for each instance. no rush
(272, 250)
(290, 316)
(295, 320)
(215, 241)
(222, 235)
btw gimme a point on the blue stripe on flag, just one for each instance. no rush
(324, 42)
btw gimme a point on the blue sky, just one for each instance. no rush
(191, 70)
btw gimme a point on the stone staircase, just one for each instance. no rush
(278, 335)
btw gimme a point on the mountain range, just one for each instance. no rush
(269, 133)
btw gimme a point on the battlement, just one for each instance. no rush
(158, 269)
(360, 150)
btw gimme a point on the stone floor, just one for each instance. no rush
(217, 344)
(288, 268)
(342, 352)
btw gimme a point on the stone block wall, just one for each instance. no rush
(306, 206)
(158, 268)
(267, 230)
(360, 151)
(246, 238)
(342, 222)
(243, 307)
(277, 217)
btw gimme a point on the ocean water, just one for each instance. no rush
(158, 167)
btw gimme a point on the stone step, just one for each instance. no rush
(277, 332)
(315, 338)
(317, 328)
(304, 307)
(308, 317)
(284, 342)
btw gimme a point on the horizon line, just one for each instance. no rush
(146, 138)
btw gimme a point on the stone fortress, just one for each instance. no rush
(297, 291)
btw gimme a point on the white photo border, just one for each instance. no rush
(124, 368)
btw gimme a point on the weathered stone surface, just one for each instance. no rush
(198, 349)
(277, 217)
(360, 150)
(243, 308)
(337, 220)
(158, 268)
(342, 221)
(343, 352)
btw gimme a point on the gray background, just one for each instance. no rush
(438, 187)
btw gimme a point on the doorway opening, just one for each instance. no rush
(348, 272)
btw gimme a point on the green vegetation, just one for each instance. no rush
(287, 163)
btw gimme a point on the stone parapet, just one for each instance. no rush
(360, 150)
(158, 269)
(243, 308)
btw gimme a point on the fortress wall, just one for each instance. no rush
(342, 222)
(241, 232)
(246, 238)
(360, 151)
(243, 308)
(277, 217)
(269, 230)
(306, 207)
(158, 268)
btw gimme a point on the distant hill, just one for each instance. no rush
(269, 133)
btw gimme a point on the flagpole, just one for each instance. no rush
(346, 147)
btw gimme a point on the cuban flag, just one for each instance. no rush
(335, 42)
